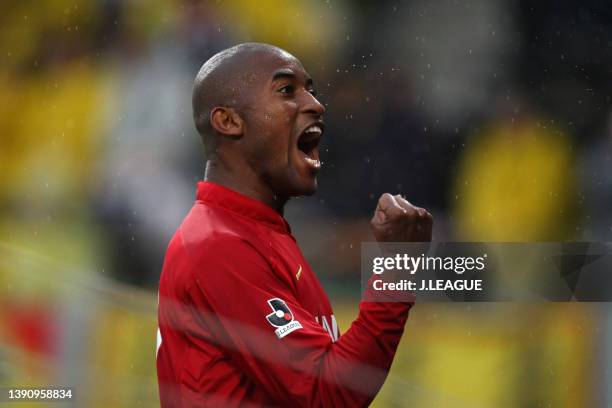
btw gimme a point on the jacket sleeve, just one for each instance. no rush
(234, 291)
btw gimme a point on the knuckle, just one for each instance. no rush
(401, 199)
(384, 197)
(404, 213)
(414, 212)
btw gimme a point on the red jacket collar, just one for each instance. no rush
(218, 195)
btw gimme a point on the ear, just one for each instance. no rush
(226, 121)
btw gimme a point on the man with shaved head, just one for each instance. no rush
(243, 320)
(269, 137)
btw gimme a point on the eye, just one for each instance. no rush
(287, 89)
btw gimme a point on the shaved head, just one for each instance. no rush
(224, 81)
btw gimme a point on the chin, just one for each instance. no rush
(310, 191)
(307, 188)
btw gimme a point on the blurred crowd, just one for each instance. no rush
(495, 115)
(492, 114)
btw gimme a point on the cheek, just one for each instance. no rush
(272, 130)
(282, 115)
(278, 126)
(272, 139)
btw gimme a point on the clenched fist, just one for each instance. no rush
(396, 220)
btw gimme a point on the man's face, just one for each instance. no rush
(283, 125)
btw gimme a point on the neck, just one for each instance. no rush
(247, 184)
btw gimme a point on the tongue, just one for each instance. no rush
(314, 154)
(312, 158)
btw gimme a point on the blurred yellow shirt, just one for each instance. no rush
(515, 183)
(51, 126)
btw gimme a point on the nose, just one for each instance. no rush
(312, 105)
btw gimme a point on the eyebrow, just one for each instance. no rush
(289, 74)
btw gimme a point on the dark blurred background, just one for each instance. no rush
(494, 115)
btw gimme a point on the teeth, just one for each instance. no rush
(313, 162)
(313, 129)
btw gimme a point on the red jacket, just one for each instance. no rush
(243, 320)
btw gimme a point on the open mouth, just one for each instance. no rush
(308, 143)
